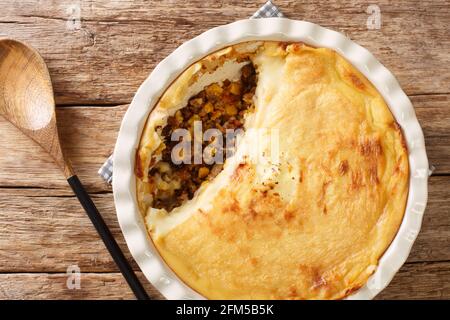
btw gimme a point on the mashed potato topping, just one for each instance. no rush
(311, 225)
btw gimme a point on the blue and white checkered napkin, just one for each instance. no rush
(268, 10)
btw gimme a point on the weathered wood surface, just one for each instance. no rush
(44, 229)
(431, 278)
(106, 57)
(54, 286)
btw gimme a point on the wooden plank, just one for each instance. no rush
(433, 242)
(99, 62)
(46, 230)
(433, 113)
(48, 233)
(88, 136)
(413, 281)
(420, 281)
(103, 286)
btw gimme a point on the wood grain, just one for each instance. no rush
(104, 286)
(27, 98)
(103, 60)
(99, 62)
(87, 135)
(413, 281)
(420, 281)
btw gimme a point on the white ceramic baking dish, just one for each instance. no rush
(130, 220)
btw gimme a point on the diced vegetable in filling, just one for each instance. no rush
(219, 106)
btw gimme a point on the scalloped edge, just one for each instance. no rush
(280, 29)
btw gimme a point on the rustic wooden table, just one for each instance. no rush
(100, 51)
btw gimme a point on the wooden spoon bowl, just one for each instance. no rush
(27, 98)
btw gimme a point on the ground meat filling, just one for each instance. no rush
(219, 106)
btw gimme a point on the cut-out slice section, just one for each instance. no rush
(221, 106)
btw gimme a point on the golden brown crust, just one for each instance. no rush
(313, 226)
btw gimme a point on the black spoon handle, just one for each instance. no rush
(107, 238)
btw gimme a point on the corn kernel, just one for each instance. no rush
(203, 172)
(208, 107)
(231, 110)
(195, 117)
(235, 88)
(214, 90)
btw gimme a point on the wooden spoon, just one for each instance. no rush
(26, 100)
